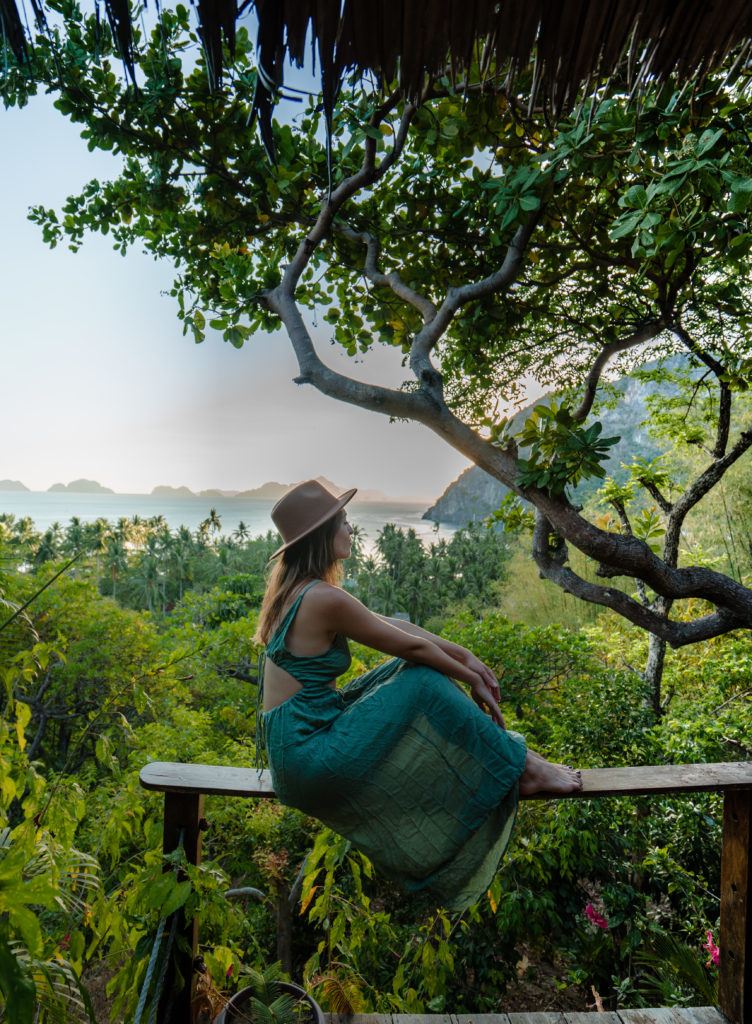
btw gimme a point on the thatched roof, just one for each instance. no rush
(571, 42)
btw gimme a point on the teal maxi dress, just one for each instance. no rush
(401, 762)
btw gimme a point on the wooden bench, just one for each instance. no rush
(185, 786)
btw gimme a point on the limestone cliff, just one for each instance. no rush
(475, 494)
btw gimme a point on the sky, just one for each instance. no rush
(97, 381)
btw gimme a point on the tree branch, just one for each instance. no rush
(392, 280)
(627, 527)
(425, 340)
(624, 554)
(653, 491)
(367, 175)
(677, 634)
(645, 333)
(724, 399)
(401, 404)
(697, 491)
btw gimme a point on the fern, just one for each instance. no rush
(60, 998)
(677, 974)
(341, 995)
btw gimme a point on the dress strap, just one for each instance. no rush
(291, 612)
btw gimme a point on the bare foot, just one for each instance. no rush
(542, 776)
(556, 764)
(540, 757)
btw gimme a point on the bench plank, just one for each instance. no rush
(358, 1018)
(586, 1017)
(479, 1018)
(536, 1018)
(674, 1015)
(662, 1015)
(421, 1018)
(216, 779)
(224, 780)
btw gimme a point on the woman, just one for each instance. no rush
(398, 760)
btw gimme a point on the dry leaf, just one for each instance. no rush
(522, 965)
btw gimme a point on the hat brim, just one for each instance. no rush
(341, 502)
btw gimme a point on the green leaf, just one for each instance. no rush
(634, 196)
(177, 898)
(18, 989)
(625, 225)
(707, 140)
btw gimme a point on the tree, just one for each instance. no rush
(241, 532)
(487, 243)
(116, 559)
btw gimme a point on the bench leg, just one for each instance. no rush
(183, 812)
(735, 942)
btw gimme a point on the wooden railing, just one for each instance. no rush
(185, 785)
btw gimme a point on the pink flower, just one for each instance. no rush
(715, 953)
(595, 918)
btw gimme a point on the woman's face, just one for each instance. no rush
(343, 538)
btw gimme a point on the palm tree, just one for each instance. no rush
(57, 532)
(241, 533)
(181, 553)
(147, 577)
(74, 536)
(123, 529)
(138, 530)
(213, 521)
(202, 535)
(23, 530)
(116, 559)
(48, 548)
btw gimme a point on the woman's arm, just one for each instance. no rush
(342, 613)
(455, 651)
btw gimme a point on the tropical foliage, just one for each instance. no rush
(96, 688)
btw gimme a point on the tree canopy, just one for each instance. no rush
(486, 241)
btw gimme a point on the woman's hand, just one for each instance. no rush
(487, 674)
(484, 698)
(485, 691)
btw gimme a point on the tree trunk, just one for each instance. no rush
(653, 673)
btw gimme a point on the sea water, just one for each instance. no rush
(46, 508)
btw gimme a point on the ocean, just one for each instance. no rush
(46, 508)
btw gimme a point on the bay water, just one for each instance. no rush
(46, 507)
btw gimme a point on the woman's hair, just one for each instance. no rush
(312, 557)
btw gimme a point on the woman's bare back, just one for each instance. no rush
(305, 639)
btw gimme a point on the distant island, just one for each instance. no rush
(270, 491)
(164, 491)
(81, 487)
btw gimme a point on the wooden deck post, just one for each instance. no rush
(183, 812)
(735, 941)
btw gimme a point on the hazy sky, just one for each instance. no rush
(97, 381)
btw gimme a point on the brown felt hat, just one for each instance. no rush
(303, 509)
